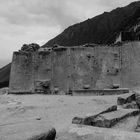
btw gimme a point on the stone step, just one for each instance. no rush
(107, 120)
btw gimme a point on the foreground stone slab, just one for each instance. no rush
(27, 130)
(106, 120)
(95, 133)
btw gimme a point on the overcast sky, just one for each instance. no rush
(28, 21)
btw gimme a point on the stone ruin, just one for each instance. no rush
(87, 67)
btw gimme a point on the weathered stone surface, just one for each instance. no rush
(30, 47)
(132, 105)
(95, 133)
(89, 120)
(131, 98)
(106, 119)
(27, 130)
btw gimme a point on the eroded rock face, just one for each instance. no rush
(121, 101)
(95, 133)
(95, 120)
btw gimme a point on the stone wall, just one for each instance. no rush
(95, 67)
(22, 76)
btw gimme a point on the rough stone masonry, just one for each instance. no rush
(78, 67)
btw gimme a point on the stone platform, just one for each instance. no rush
(106, 119)
(91, 92)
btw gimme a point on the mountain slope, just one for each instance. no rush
(102, 29)
(4, 75)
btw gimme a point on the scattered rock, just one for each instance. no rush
(38, 118)
(95, 133)
(86, 87)
(129, 99)
(77, 120)
(121, 101)
(132, 105)
(56, 90)
(30, 47)
(27, 130)
(129, 102)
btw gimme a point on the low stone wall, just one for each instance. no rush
(91, 92)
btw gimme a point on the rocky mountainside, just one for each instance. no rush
(102, 29)
(4, 75)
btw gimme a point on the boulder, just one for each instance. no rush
(50, 135)
(27, 130)
(129, 99)
(77, 120)
(132, 105)
(121, 101)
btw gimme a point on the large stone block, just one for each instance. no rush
(106, 119)
(89, 120)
